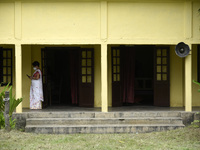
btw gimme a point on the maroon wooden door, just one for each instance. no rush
(86, 80)
(161, 77)
(116, 77)
(44, 67)
(6, 55)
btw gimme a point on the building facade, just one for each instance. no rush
(102, 53)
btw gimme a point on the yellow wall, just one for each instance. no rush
(80, 21)
(97, 76)
(176, 79)
(29, 54)
(39, 23)
(177, 90)
(196, 39)
(7, 21)
(144, 20)
(195, 93)
(26, 69)
(196, 22)
(50, 22)
(66, 20)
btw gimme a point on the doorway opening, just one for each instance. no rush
(132, 75)
(144, 75)
(68, 76)
(60, 76)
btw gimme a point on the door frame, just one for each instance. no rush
(47, 97)
(116, 86)
(116, 76)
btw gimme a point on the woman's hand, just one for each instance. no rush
(35, 78)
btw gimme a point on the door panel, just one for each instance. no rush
(86, 80)
(44, 78)
(116, 77)
(6, 66)
(161, 77)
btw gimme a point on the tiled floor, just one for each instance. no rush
(111, 109)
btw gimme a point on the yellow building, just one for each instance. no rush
(102, 53)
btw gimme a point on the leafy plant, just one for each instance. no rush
(2, 120)
(13, 104)
(195, 123)
(197, 84)
(12, 123)
(2, 107)
(2, 95)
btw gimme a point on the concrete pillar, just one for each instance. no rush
(18, 75)
(104, 61)
(104, 79)
(18, 53)
(188, 82)
(188, 59)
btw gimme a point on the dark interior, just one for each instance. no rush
(144, 73)
(58, 75)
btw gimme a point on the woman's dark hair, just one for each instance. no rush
(36, 63)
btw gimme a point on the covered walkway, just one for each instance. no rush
(110, 109)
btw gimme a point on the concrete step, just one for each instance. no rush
(125, 128)
(102, 115)
(98, 121)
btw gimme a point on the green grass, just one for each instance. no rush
(181, 139)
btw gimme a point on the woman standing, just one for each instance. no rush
(36, 90)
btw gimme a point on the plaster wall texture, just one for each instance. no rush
(36, 24)
(130, 22)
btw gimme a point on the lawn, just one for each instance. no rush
(181, 139)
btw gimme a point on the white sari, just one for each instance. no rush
(36, 92)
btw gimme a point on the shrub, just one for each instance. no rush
(2, 95)
(2, 120)
(2, 107)
(13, 104)
(197, 84)
(196, 123)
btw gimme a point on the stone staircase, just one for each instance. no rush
(98, 122)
